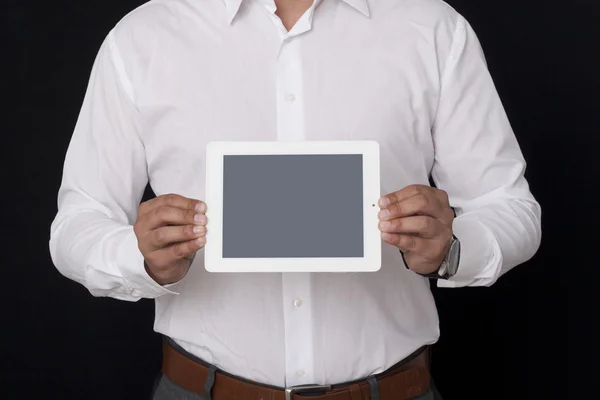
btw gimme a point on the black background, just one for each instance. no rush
(530, 336)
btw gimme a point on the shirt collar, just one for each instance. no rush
(233, 7)
(360, 5)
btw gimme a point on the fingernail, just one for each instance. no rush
(385, 224)
(198, 229)
(386, 236)
(200, 241)
(384, 214)
(384, 202)
(200, 207)
(200, 218)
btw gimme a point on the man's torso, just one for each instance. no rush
(342, 75)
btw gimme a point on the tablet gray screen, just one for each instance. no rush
(297, 206)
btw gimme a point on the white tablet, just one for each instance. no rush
(292, 207)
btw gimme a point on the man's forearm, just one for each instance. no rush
(102, 255)
(495, 238)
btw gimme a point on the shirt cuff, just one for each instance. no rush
(480, 256)
(131, 263)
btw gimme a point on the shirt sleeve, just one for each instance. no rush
(92, 239)
(479, 164)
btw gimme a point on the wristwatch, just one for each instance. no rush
(449, 265)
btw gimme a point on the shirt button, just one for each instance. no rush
(291, 97)
(300, 373)
(297, 303)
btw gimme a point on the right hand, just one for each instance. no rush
(170, 230)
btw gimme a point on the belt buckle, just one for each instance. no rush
(290, 392)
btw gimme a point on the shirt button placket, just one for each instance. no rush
(290, 110)
(295, 287)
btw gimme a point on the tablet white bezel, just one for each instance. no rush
(213, 251)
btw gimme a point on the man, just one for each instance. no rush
(175, 74)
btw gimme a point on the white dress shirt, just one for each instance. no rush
(175, 74)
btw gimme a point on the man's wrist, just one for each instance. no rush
(163, 281)
(449, 264)
(432, 274)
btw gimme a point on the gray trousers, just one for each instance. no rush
(168, 390)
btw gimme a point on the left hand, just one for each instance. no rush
(418, 220)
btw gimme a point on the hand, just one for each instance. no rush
(170, 230)
(418, 220)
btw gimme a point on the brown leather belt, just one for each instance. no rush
(405, 381)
